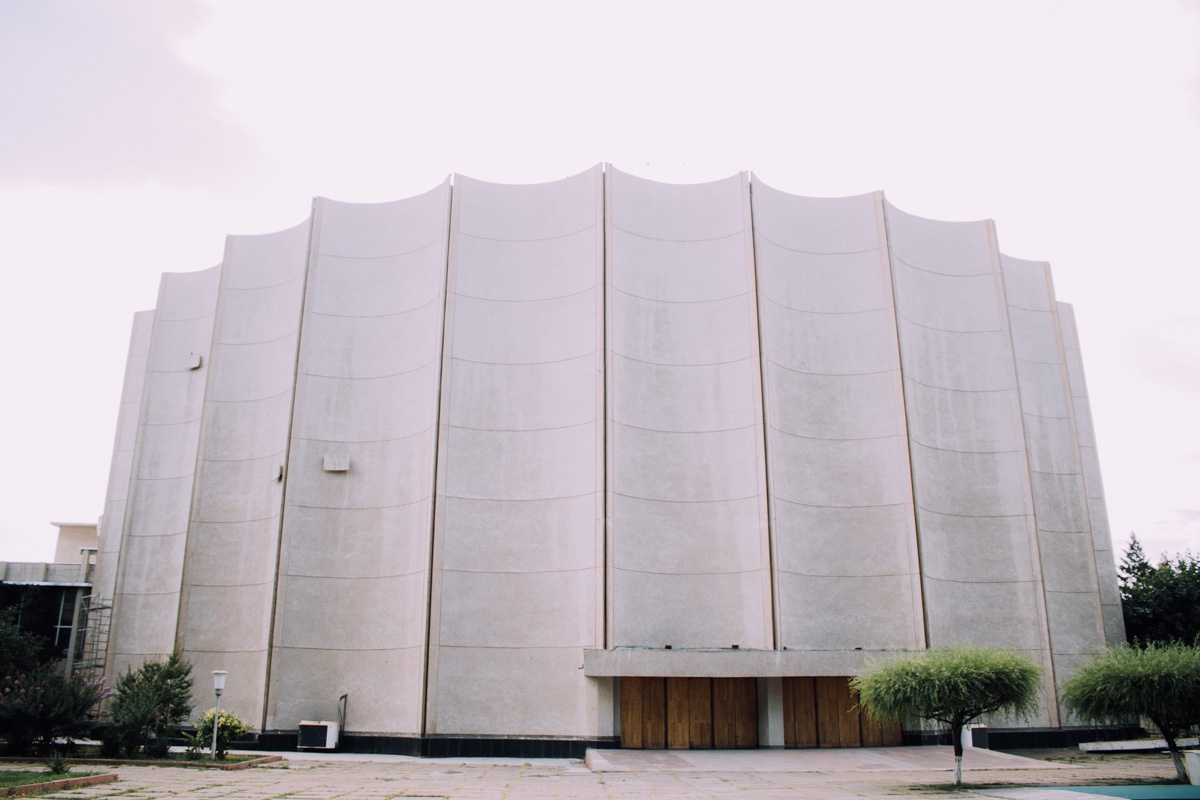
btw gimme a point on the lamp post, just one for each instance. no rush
(218, 688)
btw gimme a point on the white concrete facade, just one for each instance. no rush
(471, 456)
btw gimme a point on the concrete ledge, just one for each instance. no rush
(58, 785)
(1134, 745)
(656, 663)
(150, 762)
(817, 759)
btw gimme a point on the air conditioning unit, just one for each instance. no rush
(314, 735)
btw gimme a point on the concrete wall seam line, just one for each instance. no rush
(433, 609)
(609, 460)
(772, 544)
(313, 228)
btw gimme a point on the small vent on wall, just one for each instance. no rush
(195, 361)
(337, 462)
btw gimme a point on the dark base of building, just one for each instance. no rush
(1030, 738)
(441, 746)
(499, 747)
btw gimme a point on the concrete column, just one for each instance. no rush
(770, 712)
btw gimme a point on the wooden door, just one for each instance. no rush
(821, 712)
(689, 713)
(799, 712)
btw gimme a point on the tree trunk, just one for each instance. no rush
(956, 739)
(1169, 733)
(1177, 757)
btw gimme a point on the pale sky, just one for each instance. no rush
(135, 134)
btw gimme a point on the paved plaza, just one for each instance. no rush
(624, 774)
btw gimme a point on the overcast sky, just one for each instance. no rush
(135, 135)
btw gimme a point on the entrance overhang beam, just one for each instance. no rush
(680, 663)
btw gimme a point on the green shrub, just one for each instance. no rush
(40, 705)
(150, 705)
(230, 729)
(57, 764)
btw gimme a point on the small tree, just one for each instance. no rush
(1160, 682)
(151, 703)
(950, 685)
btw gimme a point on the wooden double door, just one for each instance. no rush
(821, 712)
(689, 713)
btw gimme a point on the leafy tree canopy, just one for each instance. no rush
(1160, 602)
(952, 686)
(1160, 682)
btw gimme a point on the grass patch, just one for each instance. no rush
(10, 778)
(93, 752)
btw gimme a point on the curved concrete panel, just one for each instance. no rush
(508, 691)
(504, 270)
(481, 602)
(518, 537)
(120, 471)
(164, 469)
(358, 541)
(502, 530)
(111, 528)
(350, 411)
(233, 538)
(672, 549)
(840, 473)
(361, 348)
(666, 400)
(553, 396)
(519, 465)
(970, 468)
(837, 455)
(685, 460)
(382, 474)
(820, 283)
(1106, 572)
(528, 342)
(1066, 556)
(354, 569)
(720, 607)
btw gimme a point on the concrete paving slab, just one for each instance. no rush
(348, 777)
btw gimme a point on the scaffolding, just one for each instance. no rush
(95, 616)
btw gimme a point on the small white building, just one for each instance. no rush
(520, 468)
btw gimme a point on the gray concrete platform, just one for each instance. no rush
(857, 759)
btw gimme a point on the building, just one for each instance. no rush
(523, 467)
(53, 600)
